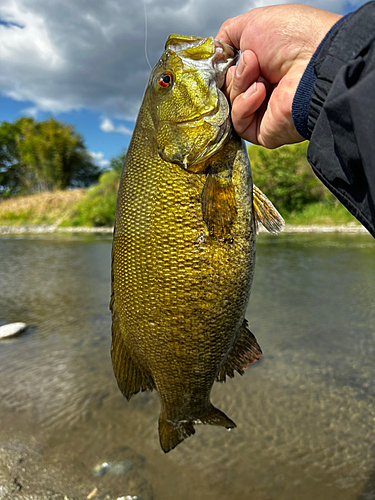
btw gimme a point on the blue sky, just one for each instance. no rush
(87, 122)
(84, 63)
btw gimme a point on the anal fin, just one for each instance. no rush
(131, 377)
(266, 213)
(245, 351)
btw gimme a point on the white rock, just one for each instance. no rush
(12, 330)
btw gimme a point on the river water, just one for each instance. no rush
(305, 413)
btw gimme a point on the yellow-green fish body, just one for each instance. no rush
(184, 242)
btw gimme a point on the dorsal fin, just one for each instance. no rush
(266, 213)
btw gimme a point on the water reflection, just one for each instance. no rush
(305, 413)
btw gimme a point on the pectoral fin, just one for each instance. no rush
(218, 205)
(266, 213)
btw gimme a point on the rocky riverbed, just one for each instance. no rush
(25, 474)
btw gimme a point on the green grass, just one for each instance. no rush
(97, 207)
(321, 214)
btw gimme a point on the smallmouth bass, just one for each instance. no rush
(184, 242)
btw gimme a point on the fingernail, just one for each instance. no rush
(240, 67)
(251, 90)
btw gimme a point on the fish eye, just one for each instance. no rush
(165, 80)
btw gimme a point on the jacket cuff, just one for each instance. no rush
(304, 92)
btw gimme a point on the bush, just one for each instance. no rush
(97, 208)
(285, 176)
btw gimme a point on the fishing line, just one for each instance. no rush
(146, 34)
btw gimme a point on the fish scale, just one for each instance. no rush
(179, 292)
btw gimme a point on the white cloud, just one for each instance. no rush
(65, 56)
(108, 126)
(99, 159)
(33, 111)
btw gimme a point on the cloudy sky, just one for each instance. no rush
(83, 61)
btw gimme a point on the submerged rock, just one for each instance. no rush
(117, 468)
(120, 476)
(12, 330)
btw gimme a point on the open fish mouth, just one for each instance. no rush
(225, 56)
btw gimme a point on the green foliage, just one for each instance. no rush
(117, 162)
(285, 176)
(40, 156)
(10, 168)
(15, 219)
(97, 208)
(330, 212)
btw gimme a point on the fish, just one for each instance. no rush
(183, 251)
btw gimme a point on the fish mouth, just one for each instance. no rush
(225, 56)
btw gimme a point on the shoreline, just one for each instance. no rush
(288, 229)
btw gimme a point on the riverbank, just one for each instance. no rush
(289, 228)
(90, 210)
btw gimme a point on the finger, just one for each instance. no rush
(275, 122)
(244, 111)
(246, 73)
(269, 130)
(231, 30)
(228, 81)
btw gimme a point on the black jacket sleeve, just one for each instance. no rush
(341, 114)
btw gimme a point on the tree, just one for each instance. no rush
(10, 174)
(117, 162)
(40, 156)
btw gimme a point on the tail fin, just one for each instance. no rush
(172, 433)
(214, 416)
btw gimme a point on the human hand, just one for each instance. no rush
(276, 45)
